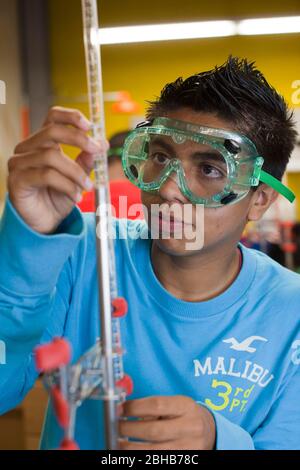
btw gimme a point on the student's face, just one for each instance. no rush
(221, 226)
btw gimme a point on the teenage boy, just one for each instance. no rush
(212, 334)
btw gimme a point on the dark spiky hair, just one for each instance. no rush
(239, 93)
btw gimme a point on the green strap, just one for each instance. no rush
(115, 151)
(277, 185)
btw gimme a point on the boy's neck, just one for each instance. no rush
(197, 278)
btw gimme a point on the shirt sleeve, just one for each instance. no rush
(35, 286)
(281, 428)
(230, 436)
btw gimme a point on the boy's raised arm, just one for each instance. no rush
(39, 230)
(34, 291)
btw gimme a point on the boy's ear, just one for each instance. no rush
(261, 200)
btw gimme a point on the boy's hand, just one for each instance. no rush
(43, 183)
(164, 423)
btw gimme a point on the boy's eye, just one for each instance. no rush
(210, 171)
(159, 158)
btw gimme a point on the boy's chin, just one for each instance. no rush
(176, 247)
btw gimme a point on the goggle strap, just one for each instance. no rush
(115, 151)
(277, 185)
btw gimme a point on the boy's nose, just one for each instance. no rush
(170, 190)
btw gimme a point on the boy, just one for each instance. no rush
(212, 334)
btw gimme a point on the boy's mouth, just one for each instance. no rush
(167, 223)
(174, 220)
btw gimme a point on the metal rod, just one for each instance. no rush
(107, 285)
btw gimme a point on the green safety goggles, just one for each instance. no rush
(211, 166)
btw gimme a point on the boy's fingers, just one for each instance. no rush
(50, 178)
(54, 134)
(158, 406)
(51, 158)
(153, 431)
(124, 444)
(69, 116)
(59, 115)
(86, 161)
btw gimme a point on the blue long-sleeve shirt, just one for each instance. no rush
(237, 354)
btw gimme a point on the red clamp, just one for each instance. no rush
(120, 307)
(61, 407)
(68, 444)
(118, 350)
(126, 383)
(53, 355)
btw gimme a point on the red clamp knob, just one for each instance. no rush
(126, 383)
(53, 355)
(118, 350)
(68, 444)
(61, 407)
(120, 307)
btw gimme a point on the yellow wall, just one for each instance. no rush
(143, 69)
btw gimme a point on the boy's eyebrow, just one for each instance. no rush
(212, 155)
(162, 143)
(215, 156)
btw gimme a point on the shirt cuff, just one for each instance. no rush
(230, 436)
(30, 262)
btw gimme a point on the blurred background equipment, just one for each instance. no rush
(277, 233)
